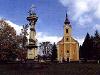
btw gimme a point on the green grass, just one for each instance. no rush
(50, 69)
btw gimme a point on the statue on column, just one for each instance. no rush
(32, 45)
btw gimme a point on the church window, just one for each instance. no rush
(67, 51)
(66, 39)
(66, 30)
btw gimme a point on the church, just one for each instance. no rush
(67, 47)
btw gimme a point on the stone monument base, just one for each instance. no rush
(32, 54)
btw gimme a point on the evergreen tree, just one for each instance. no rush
(97, 34)
(80, 51)
(85, 49)
(91, 47)
(54, 52)
(97, 45)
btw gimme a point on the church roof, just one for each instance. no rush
(61, 41)
(67, 20)
(74, 40)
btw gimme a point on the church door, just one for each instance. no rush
(68, 60)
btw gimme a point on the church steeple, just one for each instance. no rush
(67, 20)
(67, 27)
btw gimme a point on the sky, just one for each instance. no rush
(84, 16)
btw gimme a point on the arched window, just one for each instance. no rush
(67, 51)
(66, 30)
(66, 39)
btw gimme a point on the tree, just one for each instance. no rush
(54, 53)
(85, 48)
(24, 35)
(7, 40)
(21, 48)
(97, 34)
(10, 43)
(90, 48)
(97, 45)
(46, 50)
(80, 51)
(22, 43)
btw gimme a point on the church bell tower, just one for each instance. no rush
(67, 38)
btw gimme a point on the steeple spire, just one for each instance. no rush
(67, 20)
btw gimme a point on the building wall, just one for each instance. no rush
(74, 52)
(60, 52)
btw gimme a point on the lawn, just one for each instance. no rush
(50, 69)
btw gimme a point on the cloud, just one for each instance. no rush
(80, 40)
(42, 37)
(65, 2)
(16, 27)
(85, 20)
(96, 27)
(97, 12)
(80, 8)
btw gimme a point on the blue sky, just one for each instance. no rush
(84, 17)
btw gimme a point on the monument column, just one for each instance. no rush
(32, 44)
